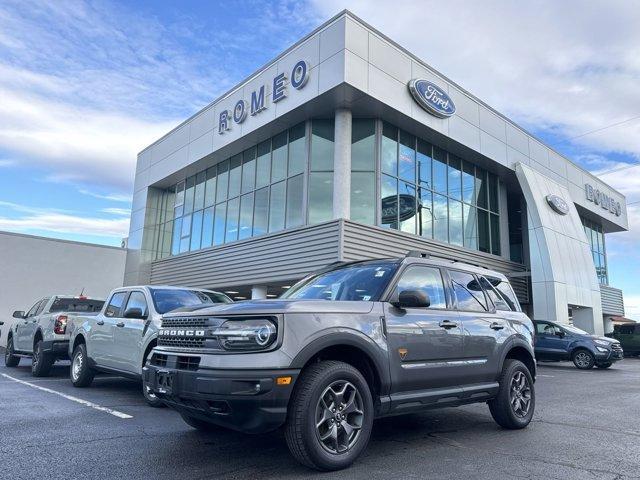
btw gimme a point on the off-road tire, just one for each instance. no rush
(41, 362)
(10, 359)
(502, 407)
(151, 399)
(301, 432)
(81, 375)
(583, 359)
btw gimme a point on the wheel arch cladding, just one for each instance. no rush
(77, 341)
(520, 352)
(350, 349)
(38, 336)
(153, 343)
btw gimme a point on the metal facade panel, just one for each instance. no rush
(612, 301)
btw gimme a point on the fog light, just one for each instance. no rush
(283, 381)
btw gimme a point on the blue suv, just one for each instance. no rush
(555, 342)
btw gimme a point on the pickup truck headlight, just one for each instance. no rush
(604, 343)
(246, 335)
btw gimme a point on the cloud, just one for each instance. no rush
(123, 212)
(4, 163)
(632, 307)
(63, 223)
(114, 197)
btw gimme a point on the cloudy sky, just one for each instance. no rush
(85, 85)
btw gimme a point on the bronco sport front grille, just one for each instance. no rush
(181, 342)
(188, 322)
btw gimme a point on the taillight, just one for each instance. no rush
(61, 325)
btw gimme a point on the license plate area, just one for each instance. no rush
(164, 382)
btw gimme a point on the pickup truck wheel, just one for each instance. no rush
(200, 425)
(583, 359)
(330, 416)
(81, 374)
(41, 362)
(10, 359)
(604, 365)
(516, 400)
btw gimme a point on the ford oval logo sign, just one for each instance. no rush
(432, 98)
(558, 204)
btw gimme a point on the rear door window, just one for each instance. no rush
(115, 304)
(468, 291)
(494, 296)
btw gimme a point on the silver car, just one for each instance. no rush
(119, 339)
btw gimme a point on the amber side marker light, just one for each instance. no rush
(283, 381)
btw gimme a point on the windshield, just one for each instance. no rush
(354, 282)
(166, 300)
(572, 329)
(76, 305)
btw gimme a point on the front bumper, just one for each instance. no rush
(610, 355)
(245, 400)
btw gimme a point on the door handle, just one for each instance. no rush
(120, 324)
(447, 324)
(496, 326)
(100, 322)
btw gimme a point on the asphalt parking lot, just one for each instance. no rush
(587, 425)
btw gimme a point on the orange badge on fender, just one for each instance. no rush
(402, 352)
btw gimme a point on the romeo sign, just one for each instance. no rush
(605, 201)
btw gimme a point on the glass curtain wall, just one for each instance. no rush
(321, 171)
(595, 237)
(429, 192)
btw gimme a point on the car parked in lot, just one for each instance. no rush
(629, 337)
(556, 342)
(347, 344)
(42, 334)
(119, 338)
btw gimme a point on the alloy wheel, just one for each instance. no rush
(339, 417)
(76, 368)
(583, 359)
(520, 394)
(35, 359)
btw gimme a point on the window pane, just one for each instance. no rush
(468, 292)
(481, 188)
(166, 239)
(179, 194)
(389, 202)
(468, 182)
(495, 234)
(297, 150)
(407, 157)
(363, 192)
(246, 216)
(210, 188)
(407, 206)
(363, 137)
(196, 231)
(427, 280)
(261, 212)
(493, 193)
(137, 300)
(219, 224)
(455, 177)
(233, 212)
(455, 222)
(320, 196)
(294, 201)
(470, 227)
(425, 223)
(440, 214)
(483, 231)
(424, 164)
(207, 228)
(188, 194)
(185, 239)
(248, 170)
(279, 157)
(223, 181)
(276, 207)
(235, 168)
(175, 240)
(389, 149)
(322, 145)
(439, 170)
(198, 202)
(263, 164)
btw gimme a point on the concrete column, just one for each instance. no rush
(342, 164)
(258, 292)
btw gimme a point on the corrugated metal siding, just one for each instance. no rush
(365, 241)
(282, 256)
(612, 300)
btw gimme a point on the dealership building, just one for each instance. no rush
(348, 147)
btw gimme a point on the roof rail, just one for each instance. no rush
(417, 254)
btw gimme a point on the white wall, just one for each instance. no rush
(35, 267)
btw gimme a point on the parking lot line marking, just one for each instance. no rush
(542, 375)
(86, 403)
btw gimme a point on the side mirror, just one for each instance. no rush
(134, 313)
(412, 299)
(18, 314)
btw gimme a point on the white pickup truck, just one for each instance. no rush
(120, 338)
(41, 333)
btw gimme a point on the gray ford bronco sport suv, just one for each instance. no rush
(347, 344)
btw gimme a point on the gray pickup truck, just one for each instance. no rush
(119, 338)
(347, 344)
(42, 334)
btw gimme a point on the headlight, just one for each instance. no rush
(246, 335)
(602, 342)
(602, 350)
